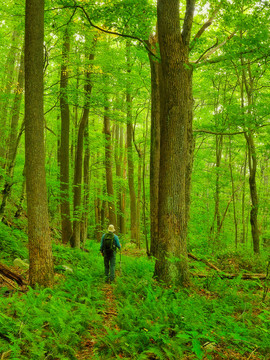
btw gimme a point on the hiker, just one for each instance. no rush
(108, 245)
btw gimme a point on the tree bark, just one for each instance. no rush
(22, 197)
(119, 157)
(233, 276)
(243, 202)
(132, 194)
(252, 162)
(138, 210)
(108, 165)
(86, 184)
(234, 198)
(155, 146)
(40, 248)
(75, 239)
(64, 147)
(143, 187)
(11, 275)
(175, 117)
(248, 82)
(217, 217)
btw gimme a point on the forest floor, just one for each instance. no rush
(135, 317)
(216, 352)
(108, 314)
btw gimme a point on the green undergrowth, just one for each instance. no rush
(157, 322)
(51, 323)
(12, 244)
(213, 318)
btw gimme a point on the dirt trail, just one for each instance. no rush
(108, 314)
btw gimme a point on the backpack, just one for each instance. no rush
(108, 243)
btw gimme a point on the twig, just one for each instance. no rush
(252, 353)
(107, 313)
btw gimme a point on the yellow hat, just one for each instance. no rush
(111, 228)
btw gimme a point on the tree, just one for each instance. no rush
(14, 136)
(120, 168)
(155, 144)
(175, 123)
(132, 194)
(40, 250)
(75, 239)
(9, 82)
(64, 145)
(108, 162)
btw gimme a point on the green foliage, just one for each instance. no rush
(153, 321)
(165, 323)
(46, 322)
(50, 323)
(11, 243)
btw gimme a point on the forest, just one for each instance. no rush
(150, 119)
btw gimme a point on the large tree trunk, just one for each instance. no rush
(64, 147)
(143, 186)
(132, 193)
(175, 117)
(155, 146)
(40, 249)
(108, 165)
(75, 239)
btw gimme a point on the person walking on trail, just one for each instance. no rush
(108, 245)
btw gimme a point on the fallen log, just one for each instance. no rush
(11, 275)
(224, 275)
(232, 276)
(204, 261)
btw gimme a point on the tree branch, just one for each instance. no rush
(190, 7)
(229, 58)
(212, 51)
(229, 134)
(108, 31)
(204, 27)
(211, 47)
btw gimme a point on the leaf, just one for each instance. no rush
(196, 348)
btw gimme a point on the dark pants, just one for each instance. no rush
(109, 263)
